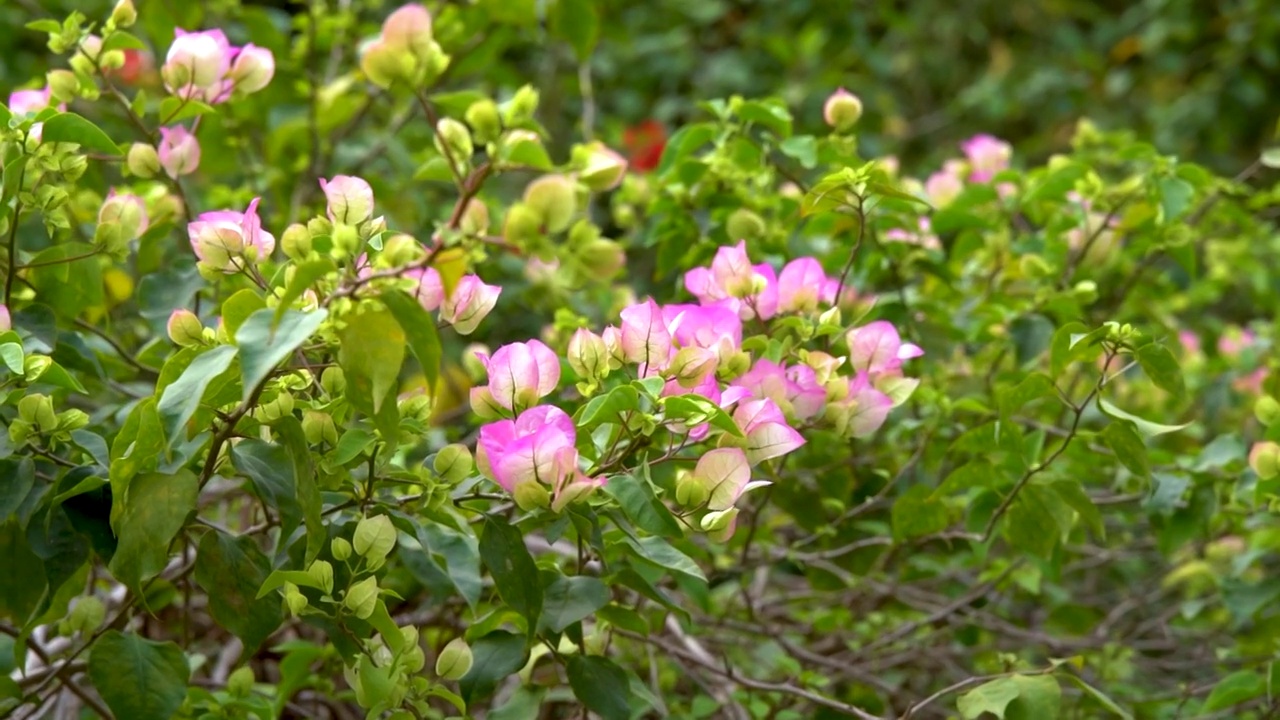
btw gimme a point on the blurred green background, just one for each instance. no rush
(1191, 76)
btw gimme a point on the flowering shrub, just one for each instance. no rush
(331, 393)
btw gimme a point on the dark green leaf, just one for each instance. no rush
(271, 469)
(19, 475)
(636, 497)
(1032, 387)
(495, 656)
(1073, 494)
(1162, 367)
(155, 510)
(568, 600)
(420, 330)
(609, 407)
(978, 472)
(662, 554)
(916, 513)
(514, 573)
(601, 685)
(231, 570)
(1127, 444)
(137, 678)
(19, 600)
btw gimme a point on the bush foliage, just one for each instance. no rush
(352, 369)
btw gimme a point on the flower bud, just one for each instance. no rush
(142, 160)
(743, 224)
(691, 365)
(483, 118)
(87, 615)
(484, 405)
(72, 419)
(294, 600)
(714, 521)
(384, 65)
(555, 200)
(38, 410)
(471, 363)
(296, 242)
(349, 199)
(362, 598)
(531, 495)
(20, 430)
(124, 14)
(475, 218)
(733, 367)
(1267, 410)
(253, 68)
(185, 329)
(587, 355)
(125, 211)
(690, 491)
(455, 660)
(340, 548)
(842, 110)
(603, 257)
(573, 492)
(346, 240)
(375, 537)
(416, 407)
(408, 29)
(454, 135)
(318, 427)
(723, 526)
(603, 169)
(523, 224)
(63, 85)
(322, 573)
(333, 381)
(453, 463)
(6, 320)
(240, 682)
(1264, 458)
(179, 151)
(35, 366)
(522, 105)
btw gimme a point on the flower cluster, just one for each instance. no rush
(205, 66)
(709, 393)
(404, 51)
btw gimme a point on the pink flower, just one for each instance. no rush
(470, 303)
(644, 337)
(1190, 342)
(801, 285)
(29, 102)
(768, 433)
(196, 65)
(725, 474)
(350, 199)
(794, 389)
(179, 151)
(407, 28)
(1234, 341)
(923, 236)
(429, 291)
(751, 290)
(942, 187)
(714, 327)
(126, 210)
(512, 452)
(521, 374)
(864, 409)
(876, 348)
(987, 156)
(224, 238)
(253, 68)
(6, 321)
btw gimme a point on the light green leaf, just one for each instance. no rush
(371, 353)
(155, 510)
(662, 554)
(568, 600)
(11, 355)
(1101, 698)
(1123, 439)
(137, 678)
(239, 307)
(70, 127)
(1270, 157)
(262, 348)
(1162, 367)
(1032, 387)
(1238, 687)
(1073, 494)
(577, 21)
(305, 274)
(917, 513)
(1146, 427)
(1039, 696)
(694, 410)
(420, 330)
(182, 398)
(608, 408)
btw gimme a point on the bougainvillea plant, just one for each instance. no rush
(335, 387)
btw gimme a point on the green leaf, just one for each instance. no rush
(371, 352)
(1162, 367)
(526, 152)
(19, 477)
(239, 307)
(1032, 334)
(290, 433)
(262, 348)
(804, 148)
(1073, 494)
(1038, 697)
(1032, 387)
(121, 40)
(601, 685)
(694, 410)
(11, 355)
(155, 510)
(608, 408)
(69, 278)
(305, 274)
(1238, 687)
(515, 575)
(1073, 341)
(578, 22)
(511, 12)
(278, 578)
(1123, 439)
(978, 472)
(70, 127)
(1146, 427)
(137, 678)
(685, 141)
(494, 657)
(770, 113)
(19, 600)
(271, 470)
(1175, 196)
(181, 398)
(636, 497)
(662, 554)
(231, 570)
(568, 600)
(917, 513)
(1100, 698)
(45, 25)
(174, 109)
(137, 446)
(420, 329)
(1037, 520)
(1270, 157)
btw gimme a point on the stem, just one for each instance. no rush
(13, 245)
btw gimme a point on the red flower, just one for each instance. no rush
(644, 144)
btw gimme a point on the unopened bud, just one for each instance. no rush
(475, 218)
(744, 224)
(318, 427)
(1264, 458)
(362, 598)
(691, 365)
(483, 118)
(64, 86)
(124, 14)
(333, 381)
(35, 366)
(322, 573)
(587, 355)
(531, 495)
(1267, 410)
(603, 257)
(453, 463)
(38, 410)
(374, 538)
(294, 599)
(456, 137)
(523, 224)
(691, 491)
(296, 242)
(185, 329)
(522, 105)
(555, 200)
(455, 660)
(602, 168)
(842, 110)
